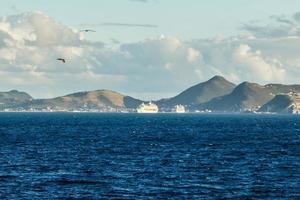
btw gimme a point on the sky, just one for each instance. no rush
(149, 49)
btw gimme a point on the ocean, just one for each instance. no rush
(160, 156)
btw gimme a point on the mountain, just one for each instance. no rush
(12, 98)
(216, 94)
(104, 100)
(248, 96)
(279, 88)
(282, 104)
(200, 93)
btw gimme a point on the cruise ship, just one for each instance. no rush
(147, 108)
(296, 104)
(179, 109)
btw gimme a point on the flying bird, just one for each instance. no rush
(87, 30)
(62, 60)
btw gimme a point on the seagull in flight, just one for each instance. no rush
(62, 60)
(87, 30)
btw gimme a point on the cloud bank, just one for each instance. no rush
(31, 42)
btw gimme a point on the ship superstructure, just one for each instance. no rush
(179, 109)
(147, 108)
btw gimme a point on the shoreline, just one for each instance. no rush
(159, 113)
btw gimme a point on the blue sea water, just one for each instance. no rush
(165, 156)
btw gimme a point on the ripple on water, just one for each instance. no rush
(127, 156)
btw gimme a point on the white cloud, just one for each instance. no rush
(30, 44)
(276, 26)
(193, 55)
(256, 66)
(37, 29)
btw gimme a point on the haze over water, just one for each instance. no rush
(131, 156)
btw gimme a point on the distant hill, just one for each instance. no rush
(279, 88)
(283, 104)
(217, 94)
(100, 99)
(248, 96)
(200, 93)
(12, 98)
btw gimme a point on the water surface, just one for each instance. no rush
(130, 156)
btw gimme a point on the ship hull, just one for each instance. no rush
(149, 112)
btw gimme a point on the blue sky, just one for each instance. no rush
(148, 49)
(184, 19)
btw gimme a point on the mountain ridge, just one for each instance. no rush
(248, 96)
(200, 93)
(13, 98)
(282, 104)
(86, 100)
(216, 94)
